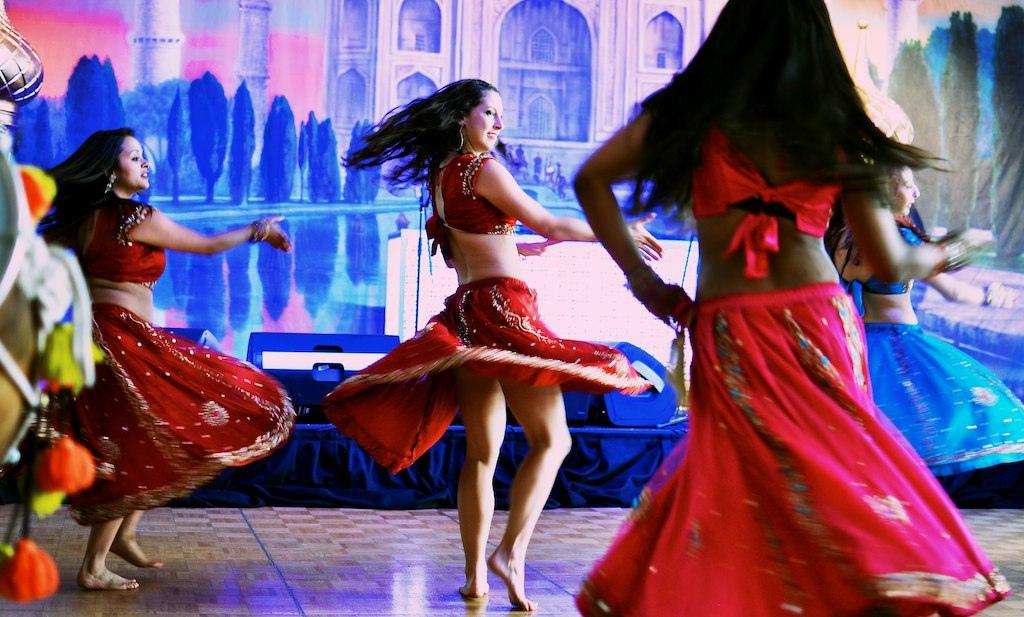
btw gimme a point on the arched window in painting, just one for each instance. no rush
(545, 71)
(355, 32)
(542, 47)
(541, 118)
(414, 86)
(663, 43)
(350, 98)
(419, 26)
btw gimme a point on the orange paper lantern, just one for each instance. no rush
(65, 466)
(29, 575)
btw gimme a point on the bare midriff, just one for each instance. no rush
(136, 297)
(801, 259)
(483, 256)
(888, 308)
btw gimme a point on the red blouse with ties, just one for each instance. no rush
(112, 256)
(728, 178)
(457, 206)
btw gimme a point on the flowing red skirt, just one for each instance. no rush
(401, 405)
(791, 497)
(167, 415)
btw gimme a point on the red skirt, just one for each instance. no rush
(167, 415)
(402, 404)
(791, 497)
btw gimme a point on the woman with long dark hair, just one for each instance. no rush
(954, 411)
(488, 347)
(166, 415)
(791, 497)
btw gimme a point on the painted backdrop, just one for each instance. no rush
(246, 107)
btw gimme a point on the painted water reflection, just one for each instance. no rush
(331, 282)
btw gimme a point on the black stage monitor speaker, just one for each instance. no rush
(196, 335)
(311, 365)
(655, 407)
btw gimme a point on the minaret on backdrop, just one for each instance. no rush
(156, 41)
(253, 57)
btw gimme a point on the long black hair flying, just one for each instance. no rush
(771, 71)
(422, 133)
(82, 181)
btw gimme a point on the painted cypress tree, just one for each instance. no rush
(960, 120)
(243, 144)
(328, 167)
(112, 109)
(361, 184)
(277, 159)
(986, 130)
(174, 139)
(911, 87)
(92, 101)
(208, 120)
(305, 155)
(1008, 95)
(33, 137)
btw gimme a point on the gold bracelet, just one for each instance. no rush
(260, 231)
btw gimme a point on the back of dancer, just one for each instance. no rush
(792, 497)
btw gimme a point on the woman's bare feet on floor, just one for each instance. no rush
(473, 590)
(104, 580)
(130, 551)
(515, 579)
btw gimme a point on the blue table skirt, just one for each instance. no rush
(319, 467)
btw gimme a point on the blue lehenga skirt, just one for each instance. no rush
(953, 411)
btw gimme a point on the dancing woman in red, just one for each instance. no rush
(791, 497)
(488, 345)
(165, 415)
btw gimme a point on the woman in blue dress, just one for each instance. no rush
(953, 411)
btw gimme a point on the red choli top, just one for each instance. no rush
(112, 256)
(727, 178)
(459, 207)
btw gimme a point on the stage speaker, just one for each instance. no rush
(577, 407)
(656, 407)
(201, 336)
(311, 365)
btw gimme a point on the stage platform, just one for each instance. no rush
(607, 467)
(230, 562)
(319, 467)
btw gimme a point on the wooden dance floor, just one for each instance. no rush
(299, 561)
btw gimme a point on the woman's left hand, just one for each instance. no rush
(648, 245)
(276, 237)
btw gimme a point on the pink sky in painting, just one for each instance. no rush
(62, 32)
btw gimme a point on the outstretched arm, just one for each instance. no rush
(496, 184)
(616, 160)
(159, 230)
(995, 294)
(879, 244)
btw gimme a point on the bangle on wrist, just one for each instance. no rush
(957, 253)
(260, 229)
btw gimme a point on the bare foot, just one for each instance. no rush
(104, 580)
(130, 551)
(515, 579)
(473, 589)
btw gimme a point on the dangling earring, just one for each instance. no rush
(462, 141)
(110, 184)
